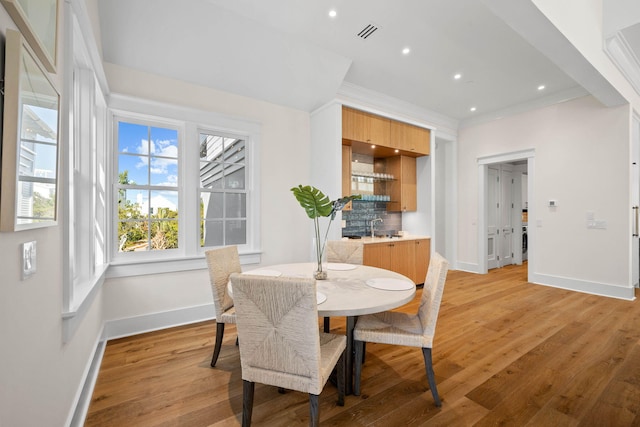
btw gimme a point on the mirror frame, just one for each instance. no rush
(35, 25)
(17, 55)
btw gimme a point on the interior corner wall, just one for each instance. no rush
(40, 375)
(582, 161)
(285, 154)
(581, 22)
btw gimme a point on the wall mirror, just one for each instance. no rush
(28, 187)
(38, 23)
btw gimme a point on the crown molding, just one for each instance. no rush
(554, 98)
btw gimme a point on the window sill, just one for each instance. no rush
(169, 265)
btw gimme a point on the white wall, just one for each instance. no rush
(581, 160)
(581, 22)
(39, 373)
(285, 155)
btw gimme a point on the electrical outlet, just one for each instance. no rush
(28, 259)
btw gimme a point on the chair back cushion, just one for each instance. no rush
(432, 296)
(350, 252)
(277, 321)
(222, 262)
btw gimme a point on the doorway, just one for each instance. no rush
(506, 192)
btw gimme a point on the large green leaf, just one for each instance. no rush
(314, 202)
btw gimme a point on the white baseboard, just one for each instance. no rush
(468, 267)
(155, 321)
(593, 288)
(83, 396)
(126, 327)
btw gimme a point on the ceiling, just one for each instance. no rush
(290, 52)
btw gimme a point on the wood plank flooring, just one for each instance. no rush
(506, 352)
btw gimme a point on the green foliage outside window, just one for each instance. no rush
(133, 227)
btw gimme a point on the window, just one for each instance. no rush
(147, 187)
(223, 195)
(183, 180)
(84, 173)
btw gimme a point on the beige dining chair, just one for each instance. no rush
(345, 251)
(222, 262)
(280, 343)
(413, 330)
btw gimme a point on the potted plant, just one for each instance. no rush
(316, 204)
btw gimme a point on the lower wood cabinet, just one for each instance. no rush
(407, 257)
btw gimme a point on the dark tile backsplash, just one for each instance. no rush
(359, 219)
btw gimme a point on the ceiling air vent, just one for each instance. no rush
(367, 31)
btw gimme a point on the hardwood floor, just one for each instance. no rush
(506, 352)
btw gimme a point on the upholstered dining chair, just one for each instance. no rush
(345, 251)
(222, 262)
(280, 343)
(413, 330)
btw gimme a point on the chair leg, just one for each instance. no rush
(428, 364)
(218, 346)
(314, 410)
(247, 402)
(359, 347)
(327, 325)
(341, 378)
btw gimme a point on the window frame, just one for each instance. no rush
(83, 167)
(246, 190)
(189, 255)
(154, 122)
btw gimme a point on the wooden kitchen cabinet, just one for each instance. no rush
(407, 257)
(422, 256)
(365, 127)
(403, 191)
(346, 174)
(410, 138)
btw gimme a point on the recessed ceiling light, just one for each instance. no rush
(397, 151)
(406, 51)
(472, 109)
(373, 146)
(541, 87)
(333, 13)
(457, 76)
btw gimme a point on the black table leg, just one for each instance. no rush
(351, 323)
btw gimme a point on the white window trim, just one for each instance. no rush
(78, 292)
(189, 255)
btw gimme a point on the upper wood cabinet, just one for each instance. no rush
(403, 190)
(410, 138)
(365, 127)
(360, 128)
(346, 174)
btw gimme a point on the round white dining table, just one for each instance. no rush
(350, 290)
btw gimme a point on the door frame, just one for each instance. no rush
(483, 172)
(634, 262)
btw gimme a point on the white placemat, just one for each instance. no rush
(390, 284)
(264, 272)
(338, 266)
(321, 297)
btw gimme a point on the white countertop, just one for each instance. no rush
(367, 239)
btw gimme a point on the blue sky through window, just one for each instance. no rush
(150, 157)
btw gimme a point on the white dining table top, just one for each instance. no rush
(346, 289)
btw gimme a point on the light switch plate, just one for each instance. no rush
(28, 259)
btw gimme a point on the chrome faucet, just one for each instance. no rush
(373, 226)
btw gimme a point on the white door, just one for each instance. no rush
(493, 215)
(505, 245)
